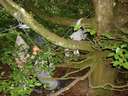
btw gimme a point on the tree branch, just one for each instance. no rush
(68, 22)
(20, 14)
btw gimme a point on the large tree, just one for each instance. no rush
(101, 74)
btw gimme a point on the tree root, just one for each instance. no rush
(70, 85)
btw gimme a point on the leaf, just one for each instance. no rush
(77, 27)
(125, 65)
(126, 55)
(118, 50)
(116, 57)
(91, 31)
(116, 63)
(120, 61)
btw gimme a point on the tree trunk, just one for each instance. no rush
(102, 73)
(104, 15)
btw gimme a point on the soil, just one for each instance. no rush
(4, 71)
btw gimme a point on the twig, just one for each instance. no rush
(70, 85)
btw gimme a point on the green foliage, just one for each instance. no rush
(92, 30)
(22, 80)
(120, 56)
(46, 61)
(5, 19)
(68, 8)
(76, 26)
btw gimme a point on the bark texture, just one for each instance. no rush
(104, 15)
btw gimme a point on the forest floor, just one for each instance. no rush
(80, 89)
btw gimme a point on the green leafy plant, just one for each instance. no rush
(22, 81)
(120, 57)
(46, 61)
(91, 30)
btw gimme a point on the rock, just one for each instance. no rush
(22, 53)
(48, 84)
(78, 35)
